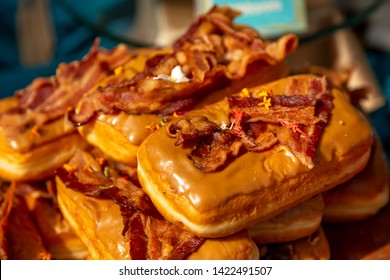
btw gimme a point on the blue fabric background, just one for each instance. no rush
(72, 39)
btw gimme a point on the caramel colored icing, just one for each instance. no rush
(133, 127)
(97, 222)
(251, 172)
(33, 138)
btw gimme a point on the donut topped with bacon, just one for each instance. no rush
(247, 158)
(212, 52)
(122, 223)
(33, 126)
(257, 122)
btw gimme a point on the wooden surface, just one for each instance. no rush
(358, 239)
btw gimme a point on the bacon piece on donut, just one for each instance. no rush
(340, 79)
(46, 99)
(213, 50)
(149, 234)
(150, 237)
(295, 119)
(196, 127)
(301, 116)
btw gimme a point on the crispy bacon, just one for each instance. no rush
(214, 146)
(178, 107)
(339, 78)
(149, 234)
(214, 151)
(196, 127)
(46, 99)
(295, 120)
(294, 108)
(20, 239)
(212, 49)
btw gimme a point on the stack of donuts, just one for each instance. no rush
(207, 149)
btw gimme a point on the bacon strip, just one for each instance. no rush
(46, 99)
(22, 237)
(339, 78)
(212, 49)
(297, 120)
(295, 109)
(148, 233)
(6, 202)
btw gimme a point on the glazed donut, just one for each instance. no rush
(100, 223)
(40, 162)
(312, 247)
(127, 130)
(363, 195)
(211, 60)
(295, 223)
(35, 136)
(34, 155)
(254, 186)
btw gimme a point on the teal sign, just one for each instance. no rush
(269, 17)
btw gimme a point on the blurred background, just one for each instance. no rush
(37, 35)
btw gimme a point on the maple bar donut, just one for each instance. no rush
(38, 162)
(312, 247)
(127, 130)
(116, 220)
(295, 223)
(213, 59)
(363, 195)
(35, 135)
(27, 155)
(251, 156)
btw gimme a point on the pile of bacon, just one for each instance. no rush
(299, 120)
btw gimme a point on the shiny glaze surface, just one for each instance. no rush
(30, 139)
(133, 127)
(97, 222)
